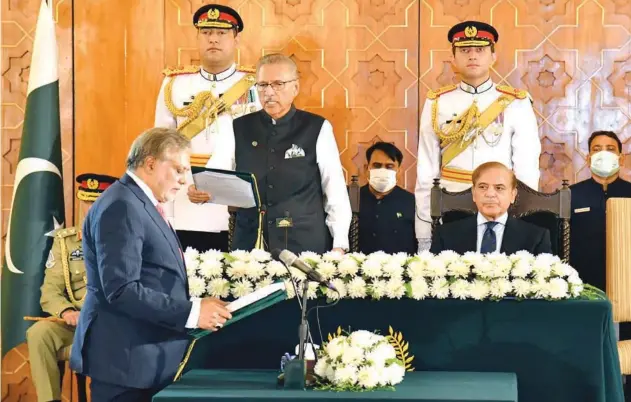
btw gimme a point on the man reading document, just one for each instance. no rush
(131, 334)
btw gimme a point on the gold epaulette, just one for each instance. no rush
(517, 93)
(246, 69)
(172, 71)
(62, 233)
(431, 94)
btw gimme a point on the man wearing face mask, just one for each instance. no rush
(589, 198)
(386, 211)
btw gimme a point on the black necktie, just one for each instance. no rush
(489, 242)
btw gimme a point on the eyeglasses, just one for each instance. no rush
(276, 85)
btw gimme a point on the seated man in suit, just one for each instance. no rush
(492, 230)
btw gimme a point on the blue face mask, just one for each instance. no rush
(605, 164)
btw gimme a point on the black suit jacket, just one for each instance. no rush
(461, 236)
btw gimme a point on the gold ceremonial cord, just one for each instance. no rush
(204, 98)
(66, 269)
(454, 133)
(180, 369)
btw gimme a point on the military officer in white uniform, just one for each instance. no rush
(201, 102)
(465, 125)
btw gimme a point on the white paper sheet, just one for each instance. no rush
(225, 189)
(254, 296)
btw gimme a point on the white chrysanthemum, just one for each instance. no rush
(542, 266)
(254, 270)
(448, 256)
(191, 259)
(276, 269)
(371, 268)
(416, 269)
(267, 281)
(459, 289)
(330, 372)
(196, 286)
(191, 254)
(558, 288)
(500, 287)
(574, 279)
(218, 287)
(353, 355)
(348, 266)
(211, 255)
(522, 268)
(501, 263)
(363, 339)
(392, 269)
(471, 258)
(379, 256)
(359, 257)
(419, 289)
(479, 289)
(241, 255)
(576, 290)
(395, 288)
(332, 256)
(424, 256)
(241, 288)
(540, 289)
(237, 270)
(521, 287)
(484, 269)
(312, 291)
(380, 353)
(310, 258)
(400, 258)
(367, 377)
(320, 368)
(394, 373)
(522, 255)
(297, 274)
(345, 375)
(335, 348)
(382, 380)
(327, 270)
(436, 268)
(260, 255)
(562, 269)
(356, 288)
(211, 269)
(341, 290)
(289, 288)
(191, 268)
(440, 288)
(378, 289)
(459, 269)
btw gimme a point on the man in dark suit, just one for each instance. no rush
(131, 334)
(492, 230)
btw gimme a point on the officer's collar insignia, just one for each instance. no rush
(76, 255)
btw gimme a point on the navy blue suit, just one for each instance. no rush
(131, 331)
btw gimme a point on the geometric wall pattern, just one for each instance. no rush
(366, 65)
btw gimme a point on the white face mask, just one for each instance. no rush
(382, 180)
(605, 163)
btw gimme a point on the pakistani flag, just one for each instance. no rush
(37, 206)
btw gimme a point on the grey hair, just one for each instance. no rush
(278, 58)
(155, 142)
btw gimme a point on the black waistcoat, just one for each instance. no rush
(282, 156)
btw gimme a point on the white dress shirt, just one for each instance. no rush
(193, 316)
(498, 229)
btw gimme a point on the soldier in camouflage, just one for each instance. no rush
(63, 291)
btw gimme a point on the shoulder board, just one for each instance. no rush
(172, 71)
(62, 233)
(246, 69)
(431, 94)
(517, 93)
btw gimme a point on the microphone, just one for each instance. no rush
(291, 260)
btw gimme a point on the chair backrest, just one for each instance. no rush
(354, 195)
(549, 210)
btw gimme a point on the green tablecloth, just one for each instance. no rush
(562, 351)
(260, 386)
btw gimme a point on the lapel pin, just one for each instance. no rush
(254, 143)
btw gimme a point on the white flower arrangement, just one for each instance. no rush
(472, 276)
(360, 361)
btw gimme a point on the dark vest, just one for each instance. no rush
(282, 156)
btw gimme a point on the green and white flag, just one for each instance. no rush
(37, 206)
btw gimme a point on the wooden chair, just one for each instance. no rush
(63, 356)
(548, 210)
(353, 194)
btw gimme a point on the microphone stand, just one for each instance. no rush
(296, 369)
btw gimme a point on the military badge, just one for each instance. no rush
(76, 255)
(50, 262)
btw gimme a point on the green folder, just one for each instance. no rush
(246, 311)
